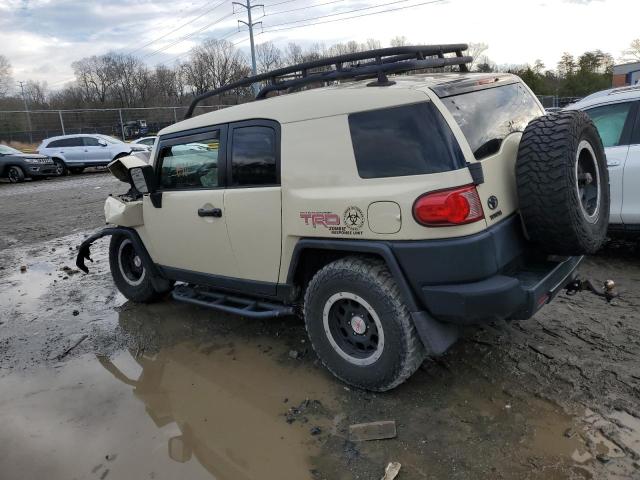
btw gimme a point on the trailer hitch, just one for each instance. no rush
(607, 290)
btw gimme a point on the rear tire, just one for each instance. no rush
(15, 174)
(359, 325)
(129, 273)
(563, 184)
(76, 170)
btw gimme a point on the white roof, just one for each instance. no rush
(613, 95)
(323, 102)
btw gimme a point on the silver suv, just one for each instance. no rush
(74, 153)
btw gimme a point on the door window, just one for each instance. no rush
(91, 142)
(191, 164)
(254, 156)
(610, 121)
(66, 142)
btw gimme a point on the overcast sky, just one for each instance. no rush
(42, 37)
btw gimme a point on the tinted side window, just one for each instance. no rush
(54, 144)
(487, 116)
(610, 121)
(190, 165)
(90, 142)
(66, 142)
(253, 156)
(407, 140)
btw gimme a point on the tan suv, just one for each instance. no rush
(390, 208)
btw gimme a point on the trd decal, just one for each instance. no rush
(325, 219)
(351, 223)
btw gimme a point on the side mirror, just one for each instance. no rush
(142, 179)
(102, 143)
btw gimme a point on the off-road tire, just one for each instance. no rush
(61, 167)
(369, 279)
(547, 181)
(141, 290)
(15, 174)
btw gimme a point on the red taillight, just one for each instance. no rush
(455, 206)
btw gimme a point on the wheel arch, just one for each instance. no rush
(311, 255)
(84, 251)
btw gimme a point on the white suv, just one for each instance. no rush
(616, 114)
(74, 153)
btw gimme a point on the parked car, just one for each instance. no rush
(74, 153)
(16, 166)
(616, 114)
(388, 211)
(149, 141)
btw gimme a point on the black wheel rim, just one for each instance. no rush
(13, 175)
(588, 182)
(130, 263)
(353, 328)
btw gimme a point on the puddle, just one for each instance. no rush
(180, 413)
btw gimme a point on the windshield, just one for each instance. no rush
(488, 116)
(6, 150)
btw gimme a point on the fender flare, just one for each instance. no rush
(436, 336)
(84, 251)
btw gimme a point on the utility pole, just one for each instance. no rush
(26, 109)
(251, 24)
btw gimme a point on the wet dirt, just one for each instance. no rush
(93, 386)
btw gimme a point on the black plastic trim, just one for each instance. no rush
(238, 285)
(84, 252)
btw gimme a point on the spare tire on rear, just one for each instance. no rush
(563, 184)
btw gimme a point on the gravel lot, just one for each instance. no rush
(94, 386)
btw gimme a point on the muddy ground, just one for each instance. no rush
(95, 387)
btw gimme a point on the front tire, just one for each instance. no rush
(129, 273)
(359, 325)
(15, 174)
(61, 167)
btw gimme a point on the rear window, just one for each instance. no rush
(488, 116)
(407, 140)
(66, 142)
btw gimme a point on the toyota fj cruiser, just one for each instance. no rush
(387, 209)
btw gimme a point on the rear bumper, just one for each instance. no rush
(512, 297)
(489, 276)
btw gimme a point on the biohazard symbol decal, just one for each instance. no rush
(353, 218)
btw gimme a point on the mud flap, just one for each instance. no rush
(84, 251)
(437, 337)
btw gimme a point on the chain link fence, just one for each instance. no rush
(125, 123)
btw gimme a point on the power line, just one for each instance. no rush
(279, 3)
(226, 35)
(272, 29)
(183, 38)
(303, 8)
(177, 28)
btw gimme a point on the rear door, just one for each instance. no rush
(253, 201)
(614, 122)
(492, 119)
(187, 225)
(631, 182)
(94, 152)
(71, 149)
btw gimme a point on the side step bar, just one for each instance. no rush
(246, 307)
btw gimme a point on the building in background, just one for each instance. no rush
(626, 74)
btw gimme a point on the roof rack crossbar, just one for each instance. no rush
(360, 65)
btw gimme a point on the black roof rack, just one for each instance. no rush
(361, 65)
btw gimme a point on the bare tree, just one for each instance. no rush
(268, 57)
(632, 54)
(399, 41)
(476, 50)
(293, 54)
(5, 76)
(94, 76)
(36, 93)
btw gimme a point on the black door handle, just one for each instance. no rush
(210, 212)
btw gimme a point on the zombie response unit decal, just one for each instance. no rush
(351, 223)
